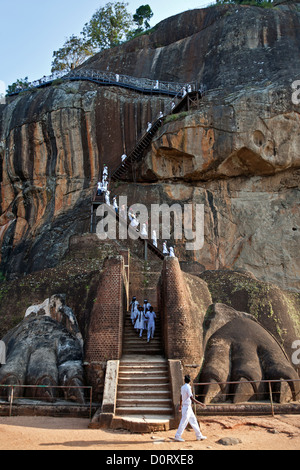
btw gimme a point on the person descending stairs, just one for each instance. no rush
(133, 344)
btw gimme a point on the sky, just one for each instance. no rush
(31, 30)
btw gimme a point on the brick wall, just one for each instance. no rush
(105, 331)
(182, 318)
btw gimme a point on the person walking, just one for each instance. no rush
(134, 305)
(165, 249)
(154, 238)
(172, 252)
(140, 321)
(115, 204)
(188, 416)
(150, 316)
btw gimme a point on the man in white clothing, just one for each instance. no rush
(107, 198)
(188, 416)
(172, 253)
(154, 238)
(133, 309)
(165, 249)
(150, 316)
(115, 204)
(140, 321)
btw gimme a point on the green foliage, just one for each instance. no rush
(109, 26)
(20, 85)
(142, 16)
(73, 53)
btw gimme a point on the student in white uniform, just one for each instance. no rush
(134, 221)
(140, 321)
(144, 231)
(165, 249)
(150, 316)
(154, 238)
(133, 309)
(99, 188)
(107, 198)
(188, 416)
(172, 253)
(115, 204)
(147, 306)
(104, 184)
(105, 171)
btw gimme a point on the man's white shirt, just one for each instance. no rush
(186, 393)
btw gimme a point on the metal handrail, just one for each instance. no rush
(268, 382)
(145, 85)
(13, 387)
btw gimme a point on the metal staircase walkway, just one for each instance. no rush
(190, 100)
(141, 85)
(138, 151)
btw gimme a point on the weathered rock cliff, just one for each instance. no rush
(238, 153)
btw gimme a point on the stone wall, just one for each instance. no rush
(183, 315)
(105, 332)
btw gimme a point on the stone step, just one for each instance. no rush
(150, 352)
(134, 375)
(144, 368)
(144, 365)
(141, 342)
(143, 388)
(142, 347)
(144, 394)
(146, 379)
(143, 410)
(148, 402)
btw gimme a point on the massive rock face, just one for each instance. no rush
(237, 154)
(53, 144)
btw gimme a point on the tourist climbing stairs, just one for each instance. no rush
(133, 344)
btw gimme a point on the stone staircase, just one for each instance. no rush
(134, 345)
(144, 399)
(144, 387)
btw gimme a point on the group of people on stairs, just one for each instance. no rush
(131, 217)
(143, 318)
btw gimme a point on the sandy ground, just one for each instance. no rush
(256, 433)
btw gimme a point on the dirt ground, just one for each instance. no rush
(43, 433)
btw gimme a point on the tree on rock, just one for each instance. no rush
(109, 26)
(142, 17)
(74, 52)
